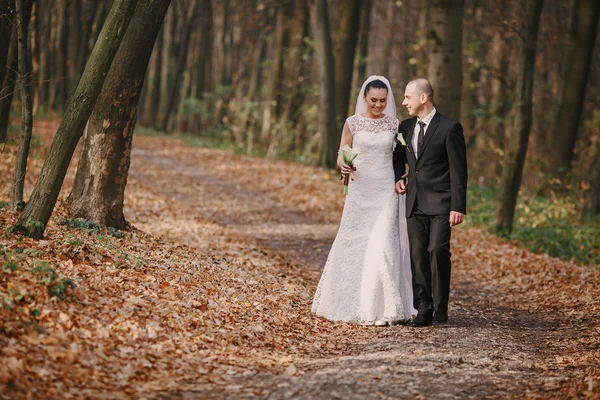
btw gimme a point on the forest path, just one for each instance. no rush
(489, 348)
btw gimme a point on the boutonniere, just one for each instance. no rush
(400, 139)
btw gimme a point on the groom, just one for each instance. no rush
(436, 193)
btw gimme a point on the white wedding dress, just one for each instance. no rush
(367, 277)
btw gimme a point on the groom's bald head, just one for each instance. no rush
(418, 98)
(420, 86)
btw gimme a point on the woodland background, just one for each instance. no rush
(192, 272)
(277, 79)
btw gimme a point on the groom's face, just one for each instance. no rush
(412, 100)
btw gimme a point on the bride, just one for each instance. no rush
(367, 278)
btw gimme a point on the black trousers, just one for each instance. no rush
(429, 237)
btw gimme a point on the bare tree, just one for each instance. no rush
(445, 55)
(42, 33)
(59, 42)
(362, 53)
(319, 16)
(517, 148)
(153, 109)
(87, 18)
(18, 181)
(590, 201)
(73, 45)
(583, 38)
(99, 187)
(8, 84)
(6, 19)
(500, 101)
(345, 48)
(363, 46)
(191, 14)
(37, 212)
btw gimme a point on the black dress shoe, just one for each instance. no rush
(420, 321)
(440, 319)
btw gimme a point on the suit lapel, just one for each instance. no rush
(435, 121)
(411, 132)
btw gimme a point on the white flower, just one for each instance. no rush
(400, 138)
(348, 154)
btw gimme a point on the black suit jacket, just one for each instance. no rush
(438, 178)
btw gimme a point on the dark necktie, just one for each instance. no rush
(421, 140)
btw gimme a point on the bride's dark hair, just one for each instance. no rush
(377, 84)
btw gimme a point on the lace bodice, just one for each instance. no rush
(374, 139)
(358, 123)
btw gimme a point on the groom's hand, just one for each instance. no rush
(456, 218)
(400, 187)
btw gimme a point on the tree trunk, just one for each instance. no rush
(166, 63)
(272, 105)
(74, 46)
(345, 48)
(319, 17)
(91, 8)
(44, 54)
(591, 196)
(389, 37)
(99, 18)
(218, 9)
(445, 55)
(253, 92)
(361, 58)
(471, 101)
(500, 102)
(101, 177)
(293, 60)
(204, 73)
(583, 38)
(18, 181)
(153, 109)
(58, 87)
(424, 30)
(205, 64)
(284, 21)
(35, 28)
(37, 212)
(363, 47)
(227, 44)
(515, 159)
(6, 18)
(180, 66)
(8, 85)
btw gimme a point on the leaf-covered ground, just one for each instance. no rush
(208, 295)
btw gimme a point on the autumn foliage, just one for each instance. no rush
(209, 292)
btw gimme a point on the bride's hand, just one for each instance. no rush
(400, 187)
(348, 170)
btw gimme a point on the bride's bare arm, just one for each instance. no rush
(345, 140)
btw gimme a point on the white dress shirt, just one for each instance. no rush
(415, 138)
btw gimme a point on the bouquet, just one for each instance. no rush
(348, 155)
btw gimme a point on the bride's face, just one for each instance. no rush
(376, 100)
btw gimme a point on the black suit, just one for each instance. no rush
(437, 184)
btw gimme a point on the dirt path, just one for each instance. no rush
(211, 199)
(487, 350)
